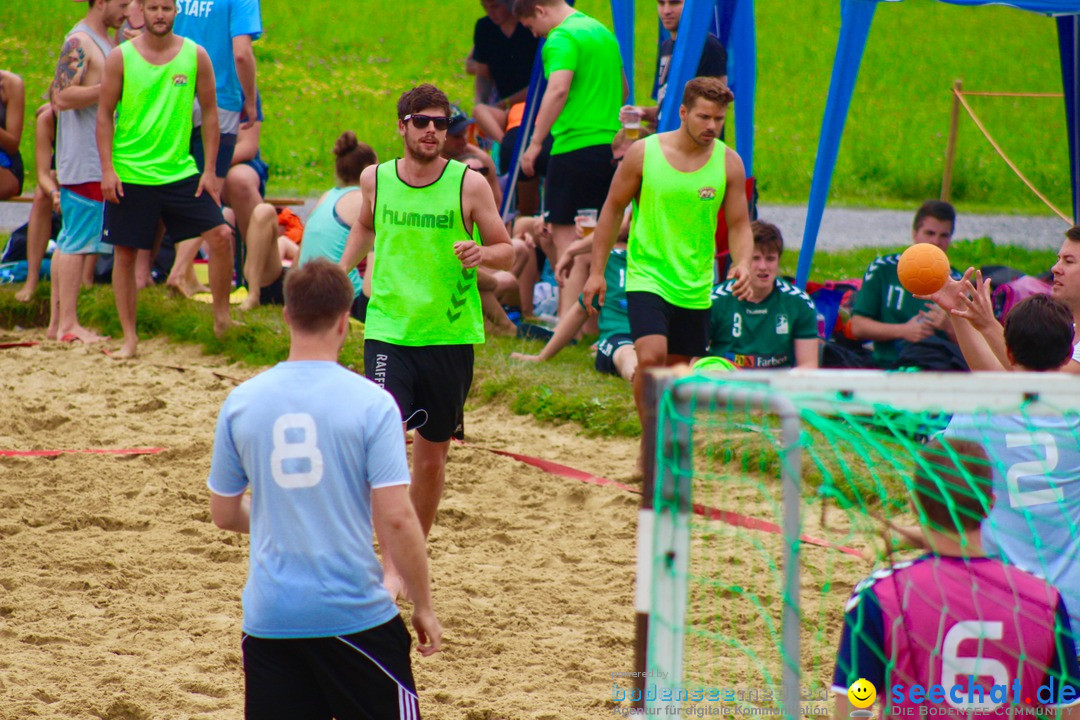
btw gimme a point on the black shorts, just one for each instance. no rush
(226, 146)
(274, 293)
(605, 353)
(506, 155)
(133, 222)
(577, 180)
(428, 382)
(686, 330)
(366, 675)
(17, 170)
(359, 307)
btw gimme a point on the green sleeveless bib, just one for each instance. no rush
(153, 119)
(673, 232)
(420, 293)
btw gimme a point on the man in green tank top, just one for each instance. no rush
(678, 182)
(420, 214)
(147, 172)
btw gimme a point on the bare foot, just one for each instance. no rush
(221, 326)
(185, 289)
(26, 292)
(52, 333)
(80, 334)
(126, 352)
(250, 302)
(143, 281)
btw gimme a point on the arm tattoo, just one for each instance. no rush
(71, 62)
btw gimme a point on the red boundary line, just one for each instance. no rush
(710, 513)
(92, 451)
(28, 343)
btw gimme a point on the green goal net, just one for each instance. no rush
(772, 499)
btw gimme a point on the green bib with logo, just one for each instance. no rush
(420, 294)
(673, 231)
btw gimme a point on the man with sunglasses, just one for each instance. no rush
(457, 147)
(421, 214)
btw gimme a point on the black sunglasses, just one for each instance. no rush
(421, 121)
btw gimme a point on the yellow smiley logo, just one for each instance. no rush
(862, 693)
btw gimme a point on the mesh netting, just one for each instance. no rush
(720, 543)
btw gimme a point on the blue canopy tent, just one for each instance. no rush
(855, 19)
(730, 20)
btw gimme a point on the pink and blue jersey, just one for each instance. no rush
(1035, 520)
(958, 623)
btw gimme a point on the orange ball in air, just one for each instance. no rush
(923, 269)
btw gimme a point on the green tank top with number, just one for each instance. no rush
(673, 231)
(153, 119)
(420, 294)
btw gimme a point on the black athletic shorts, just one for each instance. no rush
(17, 170)
(428, 382)
(506, 155)
(687, 330)
(359, 307)
(577, 180)
(605, 353)
(226, 146)
(363, 676)
(133, 222)
(274, 293)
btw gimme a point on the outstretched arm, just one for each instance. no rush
(558, 89)
(568, 327)
(211, 130)
(362, 234)
(112, 84)
(400, 536)
(244, 57)
(737, 215)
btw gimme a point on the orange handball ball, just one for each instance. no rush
(923, 269)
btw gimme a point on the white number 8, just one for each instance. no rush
(304, 449)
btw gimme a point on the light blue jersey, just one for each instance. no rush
(313, 440)
(214, 25)
(1035, 521)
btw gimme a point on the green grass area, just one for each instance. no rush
(325, 67)
(561, 390)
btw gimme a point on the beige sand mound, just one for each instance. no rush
(119, 599)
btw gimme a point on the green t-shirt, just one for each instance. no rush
(153, 118)
(614, 318)
(761, 335)
(420, 294)
(884, 299)
(591, 114)
(673, 228)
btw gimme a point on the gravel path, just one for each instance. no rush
(841, 227)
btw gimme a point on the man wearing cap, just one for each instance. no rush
(458, 147)
(74, 92)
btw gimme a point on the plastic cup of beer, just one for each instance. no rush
(586, 220)
(632, 124)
